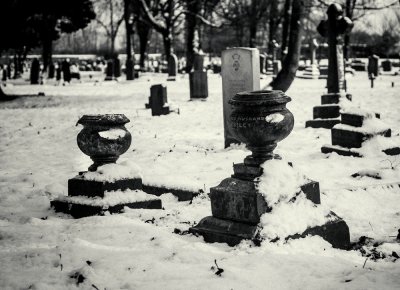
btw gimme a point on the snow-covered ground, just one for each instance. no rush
(138, 249)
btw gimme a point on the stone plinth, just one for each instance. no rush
(311, 72)
(172, 67)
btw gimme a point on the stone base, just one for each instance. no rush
(171, 78)
(79, 186)
(326, 111)
(183, 195)
(340, 150)
(215, 230)
(353, 139)
(84, 210)
(160, 111)
(323, 123)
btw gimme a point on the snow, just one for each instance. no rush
(274, 118)
(114, 171)
(112, 134)
(111, 198)
(137, 249)
(370, 126)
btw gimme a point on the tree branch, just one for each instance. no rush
(151, 19)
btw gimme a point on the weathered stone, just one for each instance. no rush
(84, 210)
(387, 65)
(340, 150)
(79, 186)
(326, 111)
(109, 71)
(240, 72)
(35, 71)
(263, 63)
(330, 99)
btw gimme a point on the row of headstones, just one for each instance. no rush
(54, 71)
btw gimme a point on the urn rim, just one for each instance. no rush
(103, 119)
(260, 97)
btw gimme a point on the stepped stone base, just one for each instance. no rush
(183, 195)
(340, 150)
(354, 139)
(215, 230)
(79, 186)
(326, 111)
(322, 123)
(77, 210)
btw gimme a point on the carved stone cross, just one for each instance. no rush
(334, 28)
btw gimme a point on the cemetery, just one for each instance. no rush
(252, 168)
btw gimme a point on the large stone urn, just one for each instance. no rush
(260, 119)
(104, 138)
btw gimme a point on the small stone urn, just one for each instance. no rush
(260, 119)
(104, 138)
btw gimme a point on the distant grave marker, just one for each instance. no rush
(172, 67)
(373, 65)
(158, 101)
(312, 71)
(51, 71)
(240, 72)
(35, 72)
(198, 79)
(4, 73)
(109, 70)
(263, 63)
(66, 70)
(117, 67)
(387, 65)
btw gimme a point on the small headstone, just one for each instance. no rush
(66, 70)
(172, 67)
(240, 72)
(158, 100)
(109, 70)
(373, 65)
(35, 71)
(387, 65)
(9, 70)
(198, 79)
(312, 70)
(117, 67)
(277, 66)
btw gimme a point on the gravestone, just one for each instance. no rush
(172, 67)
(277, 66)
(66, 70)
(198, 79)
(312, 71)
(240, 72)
(9, 70)
(158, 101)
(109, 71)
(373, 65)
(327, 115)
(35, 72)
(387, 65)
(51, 71)
(263, 63)
(117, 67)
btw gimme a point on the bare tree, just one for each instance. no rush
(290, 64)
(110, 15)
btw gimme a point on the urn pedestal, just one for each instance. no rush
(260, 119)
(104, 187)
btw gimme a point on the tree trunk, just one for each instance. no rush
(143, 32)
(167, 46)
(285, 25)
(253, 33)
(47, 52)
(289, 67)
(272, 26)
(349, 8)
(128, 27)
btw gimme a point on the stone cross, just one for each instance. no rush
(333, 28)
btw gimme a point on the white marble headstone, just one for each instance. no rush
(240, 72)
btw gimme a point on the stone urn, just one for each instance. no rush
(260, 119)
(104, 138)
